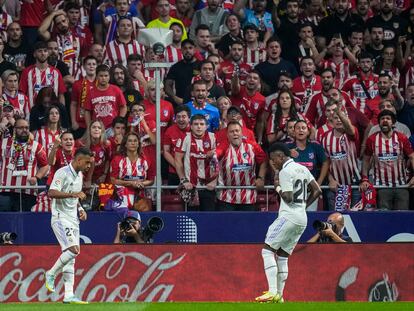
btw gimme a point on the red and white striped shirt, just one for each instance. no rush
(408, 74)
(70, 52)
(304, 89)
(315, 108)
(173, 137)
(197, 168)
(389, 158)
(34, 156)
(149, 74)
(342, 152)
(227, 69)
(341, 70)
(354, 88)
(118, 52)
(254, 56)
(46, 138)
(123, 168)
(113, 24)
(33, 80)
(172, 54)
(322, 130)
(237, 167)
(5, 21)
(19, 102)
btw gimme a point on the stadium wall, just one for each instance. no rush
(233, 272)
(223, 227)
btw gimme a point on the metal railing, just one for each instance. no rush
(267, 188)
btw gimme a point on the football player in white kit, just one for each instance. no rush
(66, 191)
(292, 182)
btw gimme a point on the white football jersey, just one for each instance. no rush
(66, 180)
(296, 178)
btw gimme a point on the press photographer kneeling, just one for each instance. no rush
(130, 231)
(330, 231)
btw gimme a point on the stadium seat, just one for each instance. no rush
(172, 203)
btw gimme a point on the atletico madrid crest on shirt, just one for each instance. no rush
(206, 144)
(311, 155)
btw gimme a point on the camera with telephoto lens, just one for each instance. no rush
(125, 225)
(6, 237)
(154, 224)
(323, 225)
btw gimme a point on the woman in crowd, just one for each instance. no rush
(223, 104)
(285, 111)
(38, 113)
(47, 135)
(131, 170)
(310, 154)
(100, 147)
(138, 122)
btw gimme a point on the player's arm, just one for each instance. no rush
(55, 190)
(285, 188)
(315, 192)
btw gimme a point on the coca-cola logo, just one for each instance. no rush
(103, 281)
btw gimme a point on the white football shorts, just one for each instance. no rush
(284, 234)
(66, 232)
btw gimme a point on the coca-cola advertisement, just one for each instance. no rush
(231, 272)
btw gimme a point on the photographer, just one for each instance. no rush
(330, 231)
(129, 229)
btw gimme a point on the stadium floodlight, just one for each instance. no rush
(158, 39)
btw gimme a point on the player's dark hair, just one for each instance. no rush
(177, 24)
(134, 58)
(84, 152)
(204, 62)
(198, 82)
(201, 27)
(279, 147)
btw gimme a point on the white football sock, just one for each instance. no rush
(64, 258)
(68, 273)
(282, 265)
(270, 268)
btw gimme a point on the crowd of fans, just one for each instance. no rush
(332, 79)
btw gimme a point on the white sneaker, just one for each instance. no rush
(50, 281)
(74, 300)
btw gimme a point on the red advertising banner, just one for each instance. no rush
(354, 272)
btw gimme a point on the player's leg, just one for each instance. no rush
(64, 234)
(282, 273)
(68, 272)
(275, 235)
(293, 233)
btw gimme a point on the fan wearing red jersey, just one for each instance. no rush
(11, 93)
(362, 86)
(118, 50)
(80, 90)
(23, 163)
(196, 162)
(238, 159)
(234, 65)
(250, 101)
(105, 101)
(173, 137)
(340, 146)
(131, 170)
(40, 75)
(388, 150)
(71, 46)
(308, 83)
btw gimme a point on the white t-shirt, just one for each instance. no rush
(66, 180)
(296, 178)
